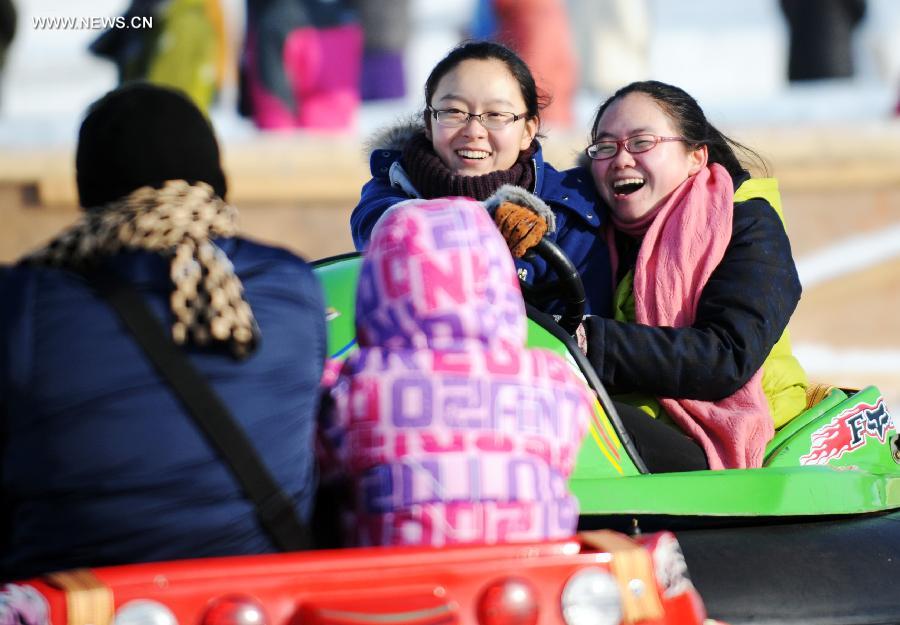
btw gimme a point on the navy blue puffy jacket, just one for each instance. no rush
(99, 462)
(570, 193)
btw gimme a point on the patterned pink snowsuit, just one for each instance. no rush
(450, 429)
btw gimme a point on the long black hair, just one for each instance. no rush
(690, 121)
(484, 51)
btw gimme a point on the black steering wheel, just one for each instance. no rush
(568, 287)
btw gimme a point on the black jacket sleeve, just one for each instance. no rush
(742, 312)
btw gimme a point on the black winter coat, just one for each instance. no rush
(742, 312)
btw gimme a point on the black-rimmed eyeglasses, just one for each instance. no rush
(607, 148)
(491, 120)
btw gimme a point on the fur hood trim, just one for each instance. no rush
(396, 136)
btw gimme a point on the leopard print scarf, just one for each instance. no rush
(177, 222)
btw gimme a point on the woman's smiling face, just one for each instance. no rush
(479, 86)
(633, 185)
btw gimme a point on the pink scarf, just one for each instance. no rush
(682, 246)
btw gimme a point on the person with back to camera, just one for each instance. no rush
(100, 463)
(706, 284)
(449, 429)
(478, 133)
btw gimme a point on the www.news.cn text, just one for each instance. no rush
(92, 23)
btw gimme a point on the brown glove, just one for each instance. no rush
(521, 227)
(521, 217)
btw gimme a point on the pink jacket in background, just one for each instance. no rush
(451, 431)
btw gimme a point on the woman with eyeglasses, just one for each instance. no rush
(706, 284)
(477, 138)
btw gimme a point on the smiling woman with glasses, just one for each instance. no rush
(477, 133)
(706, 285)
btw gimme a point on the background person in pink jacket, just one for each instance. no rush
(449, 429)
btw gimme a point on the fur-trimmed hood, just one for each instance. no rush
(396, 136)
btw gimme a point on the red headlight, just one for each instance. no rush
(508, 601)
(234, 610)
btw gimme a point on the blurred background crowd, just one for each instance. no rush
(313, 64)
